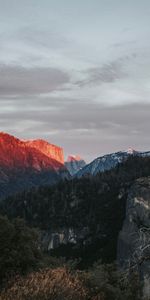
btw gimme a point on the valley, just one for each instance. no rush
(79, 216)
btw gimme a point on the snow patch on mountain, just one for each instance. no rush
(108, 162)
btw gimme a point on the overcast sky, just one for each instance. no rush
(76, 73)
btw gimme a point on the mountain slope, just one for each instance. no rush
(82, 217)
(51, 151)
(23, 166)
(108, 162)
(74, 163)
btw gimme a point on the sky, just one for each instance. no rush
(76, 73)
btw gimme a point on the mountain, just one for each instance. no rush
(80, 218)
(108, 162)
(24, 164)
(90, 219)
(51, 151)
(74, 163)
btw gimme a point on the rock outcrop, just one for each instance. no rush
(15, 153)
(24, 164)
(50, 150)
(74, 163)
(134, 238)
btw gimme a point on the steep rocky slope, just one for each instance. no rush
(15, 153)
(134, 238)
(74, 163)
(50, 150)
(109, 161)
(23, 166)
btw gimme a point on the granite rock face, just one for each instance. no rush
(74, 164)
(25, 164)
(134, 238)
(50, 150)
(38, 154)
(50, 240)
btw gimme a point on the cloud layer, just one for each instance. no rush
(76, 73)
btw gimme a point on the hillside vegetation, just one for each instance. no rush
(87, 270)
(95, 204)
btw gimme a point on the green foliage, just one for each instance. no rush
(97, 203)
(94, 203)
(105, 281)
(18, 248)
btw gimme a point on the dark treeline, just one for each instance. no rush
(97, 203)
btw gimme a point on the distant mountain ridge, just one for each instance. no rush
(28, 163)
(108, 162)
(24, 164)
(50, 150)
(74, 163)
(16, 153)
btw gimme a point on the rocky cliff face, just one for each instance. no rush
(15, 154)
(25, 164)
(134, 239)
(74, 163)
(50, 150)
(63, 236)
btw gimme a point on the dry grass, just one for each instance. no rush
(57, 284)
(63, 283)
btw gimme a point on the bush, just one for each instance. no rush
(57, 284)
(102, 282)
(18, 248)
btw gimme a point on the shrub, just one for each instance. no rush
(50, 284)
(18, 248)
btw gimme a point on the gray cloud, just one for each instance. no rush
(124, 43)
(43, 38)
(71, 73)
(62, 122)
(17, 80)
(108, 72)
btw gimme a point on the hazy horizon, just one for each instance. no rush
(76, 73)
